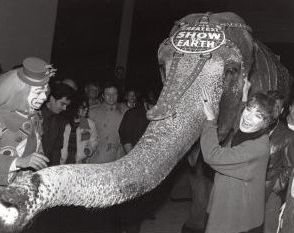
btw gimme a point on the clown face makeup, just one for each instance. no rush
(37, 96)
(252, 120)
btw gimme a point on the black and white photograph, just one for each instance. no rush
(146, 116)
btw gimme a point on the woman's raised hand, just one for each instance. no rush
(207, 105)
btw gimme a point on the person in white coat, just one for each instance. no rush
(80, 136)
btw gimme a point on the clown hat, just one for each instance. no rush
(35, 71)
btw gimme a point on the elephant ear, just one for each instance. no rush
(267, 73)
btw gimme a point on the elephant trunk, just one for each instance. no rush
(103, 185)
(163, 144)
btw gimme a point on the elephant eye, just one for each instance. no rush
(232, 70)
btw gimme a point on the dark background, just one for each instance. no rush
(87, 33)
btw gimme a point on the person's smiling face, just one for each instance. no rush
(252, 119)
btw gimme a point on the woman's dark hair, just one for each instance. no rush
(77, 102)
(60, 90)
(266, 104)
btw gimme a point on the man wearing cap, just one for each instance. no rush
(22, 92)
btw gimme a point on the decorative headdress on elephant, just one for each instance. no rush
(212, 50)
(258, 64)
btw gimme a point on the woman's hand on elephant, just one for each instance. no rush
(35, 160)
(207, 105)
(246, 88)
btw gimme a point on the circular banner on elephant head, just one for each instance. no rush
(201, 38)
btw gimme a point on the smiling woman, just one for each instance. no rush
(251, 120)
(237, 200)
(257, 115)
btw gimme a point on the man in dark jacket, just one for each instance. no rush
(54, 122)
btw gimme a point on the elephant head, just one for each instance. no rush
(215, 51)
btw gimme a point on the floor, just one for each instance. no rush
(169, 218)
(171, 215)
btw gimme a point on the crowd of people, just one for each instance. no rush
(90, 124)
(44, 122)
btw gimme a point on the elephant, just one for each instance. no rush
(216, 51)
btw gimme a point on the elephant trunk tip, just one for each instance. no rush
(8, 218)
(12, 214)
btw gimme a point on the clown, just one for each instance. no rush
(22, 92)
